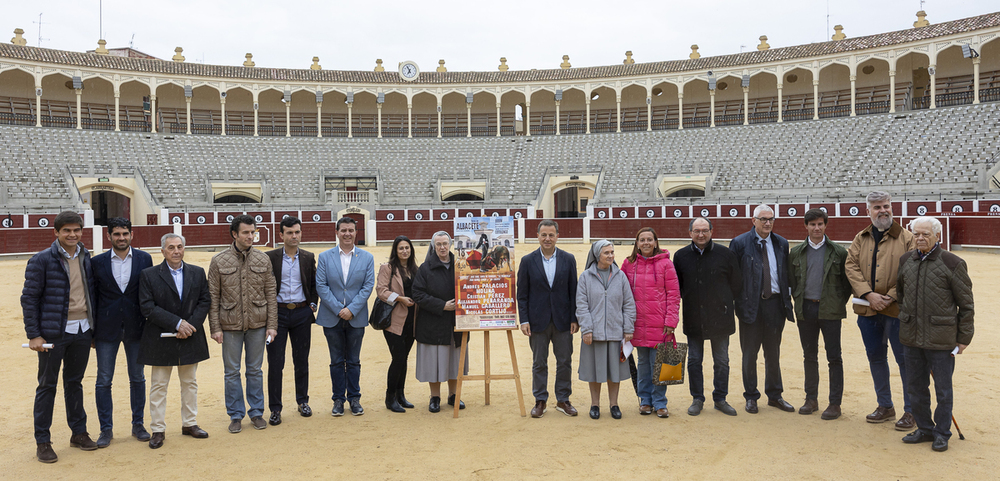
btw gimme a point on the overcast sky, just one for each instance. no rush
(469, 35)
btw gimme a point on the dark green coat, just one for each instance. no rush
(935, 301)
(836, 287)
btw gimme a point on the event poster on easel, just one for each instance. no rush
(484, 273)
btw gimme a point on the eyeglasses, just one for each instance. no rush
(766, 220)
(701, 232)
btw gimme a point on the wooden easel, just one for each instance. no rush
(487, 376)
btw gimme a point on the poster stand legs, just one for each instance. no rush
(487, 376)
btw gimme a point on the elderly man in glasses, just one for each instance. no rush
(763, 306)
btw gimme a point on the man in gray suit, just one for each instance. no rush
(345, 278)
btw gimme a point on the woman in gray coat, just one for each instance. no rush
(605, 309)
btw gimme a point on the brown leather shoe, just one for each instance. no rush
(832, 412)
(881, 415)
(566, 408)
(83, 442)
(662, 413)
(645, 409)
(45, 453)
(194, 432)
(906, 422)
(809, 407)
(156, 441)
(751, 406)
(781, 404)
(539, 409)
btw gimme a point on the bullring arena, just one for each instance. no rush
(183, 147)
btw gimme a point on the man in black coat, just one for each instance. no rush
(119, 322)
(763, 306)
(295, 278)
(546, 306)
(175, 299)
(709, 277)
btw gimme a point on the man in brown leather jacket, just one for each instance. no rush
(244, 313)
(872, 265)
(936, 321)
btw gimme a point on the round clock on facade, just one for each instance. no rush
(409, 70)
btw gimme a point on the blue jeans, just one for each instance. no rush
(233, 343)
(649, 394)
(878, 332)
(720, 361)
(107, 354)
(344, 342)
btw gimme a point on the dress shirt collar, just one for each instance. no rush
(347, 253)
(123, 259)
(66, 254)
(179, 270)
(816, 246)
(922, 256)
(284, 253)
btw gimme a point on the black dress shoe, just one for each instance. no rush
(391, 403)
(140, 432)
(275, 418)
(918, 436)
(940, 444)
(616, 413)
(401, 399)
(104, 440)
(305, 410)
(156, 441)
(595, 412)
(751, 406)
(435, 404)
(781, 404)
(194, 432)
(46, 454)
(451, 402)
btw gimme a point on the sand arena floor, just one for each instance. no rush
(494, 442)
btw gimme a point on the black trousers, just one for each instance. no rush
(764, 332)
(809, 331)
(399, 349)
(71, 353)
(294, 324)
(920, 365)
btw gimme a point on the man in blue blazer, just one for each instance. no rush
(119, 321)
(763, 306)
(546, 306)
(345, 278)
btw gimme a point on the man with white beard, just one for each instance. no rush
(872, 266)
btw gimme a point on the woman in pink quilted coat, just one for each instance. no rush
(657, 298)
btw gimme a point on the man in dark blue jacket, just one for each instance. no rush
(762, 306)
(58, 309)
(119, 321)
(546, 306)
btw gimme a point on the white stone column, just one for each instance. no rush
(933, 86)
(892, 91)
(350, 120)
(79, 113)
(816, 98)
(379, 119)
(649, 114)
(711, 108)
(746, 105)
(439, 118)
(222, 103)
(527, 119)
(319, 119)
(152, 112)
(409, 120)
(187, 121)
(557, 117)
(680, 109)
(618, 113)
(38, 110)
(499, 123)
(118, 121)
(588, 115)
(468, 119)
(854, 94)
(781, 105)
(975, 80)
(288, 119)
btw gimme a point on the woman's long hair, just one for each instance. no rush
(635, 246)
(408, 270)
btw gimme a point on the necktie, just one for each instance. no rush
(765, 288)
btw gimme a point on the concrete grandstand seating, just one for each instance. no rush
(922, 152)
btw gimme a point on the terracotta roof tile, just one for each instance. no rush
(170, 68)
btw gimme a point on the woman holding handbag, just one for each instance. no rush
(654, 285)
(605, 310)
(395, 287)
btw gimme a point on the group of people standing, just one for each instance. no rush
(910, 294)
